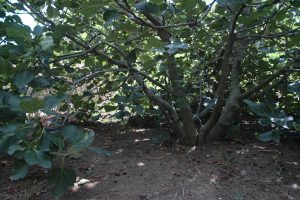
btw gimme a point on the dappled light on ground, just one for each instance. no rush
(144, 171)
(140, 130)
(192, 149)
(296, 186)
(213, 179)
(83, 183)
(141, 164)
(141, 140)
(243, 151)
(119, 151)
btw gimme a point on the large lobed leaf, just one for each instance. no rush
(61, 180)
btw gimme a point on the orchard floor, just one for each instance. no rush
(139, 170)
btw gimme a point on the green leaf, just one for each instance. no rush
(176, 47)
(9, 130)
(53, 101)
(232, 2)
(284, 122)
(44, 160)
(2, 14)
(188, 4)
(22, 78)
(109, 108)
(294, 87)
(6, 70)
(73, 134)
(154, 42)
(19, 32)
(40, 82)
(147, 7)
(38, 30)
(258, 108)
(91, 8)
(56, 140)
(52, 12)
(30, 157)
(139, 110)
(25, 131)
(266, 137)
(15, 147)
(100, 151)
(4, 143)
(33, 157)
(296, 126)
(131, 57)
(86, 141)
(20, 170)
(2, 96)
(12, 102)
(296, 3)
(181, 102)
(61, 180)
(269, 136)
(89, 62)
(47, 43)
(110, 15)
(31, 105)
(265, 122)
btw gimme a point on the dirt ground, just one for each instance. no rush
(139, 170)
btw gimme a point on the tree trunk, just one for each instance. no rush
(233, 105)
(184, 111)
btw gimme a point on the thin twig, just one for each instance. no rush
(94, 74)
(182, 189)
(272, 36)
(76, 55)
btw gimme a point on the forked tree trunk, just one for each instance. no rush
(232, 107)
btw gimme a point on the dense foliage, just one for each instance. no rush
(192, 62)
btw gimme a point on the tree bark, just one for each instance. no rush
(184, 111)
(222, 87)
(233, 104)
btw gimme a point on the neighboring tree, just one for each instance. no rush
(192, 62)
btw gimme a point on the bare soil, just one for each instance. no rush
(140, 170)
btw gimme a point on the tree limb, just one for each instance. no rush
(224, 75)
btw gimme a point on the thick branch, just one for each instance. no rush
(151, 80)
(224, 75)
(163, 105)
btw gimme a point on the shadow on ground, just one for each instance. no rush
(139, 170)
